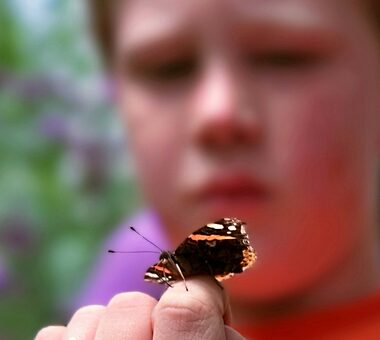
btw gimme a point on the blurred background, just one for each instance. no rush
(64, 175)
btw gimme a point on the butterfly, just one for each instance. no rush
(220, 249)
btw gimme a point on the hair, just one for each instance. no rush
(102, 14)
(101, 21)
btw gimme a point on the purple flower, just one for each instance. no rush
(17, 235)
(54, 126)
(4, 277)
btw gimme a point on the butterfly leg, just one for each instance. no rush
(209, 268)
(212, 274)
(166, 280)
(180, 273)
(219, 284)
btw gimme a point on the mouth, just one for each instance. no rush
(233, 195)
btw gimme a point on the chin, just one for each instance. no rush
(259, 286)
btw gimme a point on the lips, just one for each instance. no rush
(234, 195)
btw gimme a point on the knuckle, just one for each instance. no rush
(50, 332)
(86, 313)
(132, 300)
(186, 311)
(90, 309)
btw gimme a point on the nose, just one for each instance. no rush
(223, 116)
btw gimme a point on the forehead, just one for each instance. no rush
(144, 19)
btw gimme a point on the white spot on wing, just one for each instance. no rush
(215, 226)
(232, 228)
(152, 275)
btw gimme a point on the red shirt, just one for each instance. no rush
(359, 320)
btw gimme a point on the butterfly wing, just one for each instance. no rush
(164, 271)
(220, 249)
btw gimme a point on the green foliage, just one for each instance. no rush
(12, 51)
(62, 180)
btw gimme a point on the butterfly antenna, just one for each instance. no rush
(155, 245)
(132, 252)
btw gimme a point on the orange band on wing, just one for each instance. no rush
(162, 269)
(198, 237)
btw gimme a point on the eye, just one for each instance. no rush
(168, 71)
(284, 60)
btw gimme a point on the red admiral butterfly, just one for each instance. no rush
(220, 249)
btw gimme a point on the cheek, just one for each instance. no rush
(322, 146)
(323, 137)
(155, 133)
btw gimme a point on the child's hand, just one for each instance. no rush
(199, 313)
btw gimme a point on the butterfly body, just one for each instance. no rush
(220, 249)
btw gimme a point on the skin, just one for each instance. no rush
(203, 313)
(278, 96)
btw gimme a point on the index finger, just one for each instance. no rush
(199, 313)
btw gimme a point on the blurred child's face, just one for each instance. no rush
(262, 110)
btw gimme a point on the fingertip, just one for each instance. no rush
(203, 288)
(87, 313)
(84, 322)
(193, 313)
(127, 316)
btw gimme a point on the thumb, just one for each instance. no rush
(198, 313)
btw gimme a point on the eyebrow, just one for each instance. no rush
(174, 31)
(286, 16)
(146, 34)
(269, 33)
(275, 24)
